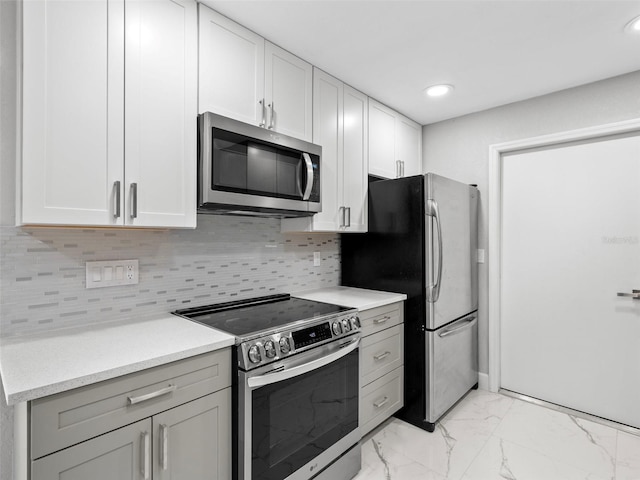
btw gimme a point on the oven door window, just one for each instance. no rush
(297, 419)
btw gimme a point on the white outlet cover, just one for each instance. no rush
(109, 273)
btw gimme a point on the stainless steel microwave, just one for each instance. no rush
(248, 170)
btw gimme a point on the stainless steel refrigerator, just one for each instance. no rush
(422, 241)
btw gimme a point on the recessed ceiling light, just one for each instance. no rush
(633, 26)
(438, 90)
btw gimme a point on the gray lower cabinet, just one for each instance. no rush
(168, 422)
(381, 364)
(194, 440)
(115, 455)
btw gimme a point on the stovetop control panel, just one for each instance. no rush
(270, 348)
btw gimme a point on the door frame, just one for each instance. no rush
(496, 152)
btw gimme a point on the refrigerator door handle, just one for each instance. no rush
(458, 327)
(434, 290)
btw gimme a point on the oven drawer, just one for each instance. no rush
(377, 319)
(381, 399)
(67, 418)
(381, 353)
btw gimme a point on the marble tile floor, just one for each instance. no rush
(490, 436)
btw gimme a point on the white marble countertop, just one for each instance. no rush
(352, 297)
(34, 366)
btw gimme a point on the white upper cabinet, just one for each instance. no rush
(245, 77)
(395, 143)
(73, 111)
(160, 113)
(340, 127)
(231, 75)
(109, 141)
(288, 84)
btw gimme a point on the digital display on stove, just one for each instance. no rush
(311, 335)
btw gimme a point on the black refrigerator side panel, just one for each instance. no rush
(391, 257)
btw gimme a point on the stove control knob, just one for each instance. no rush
(337, 328)
(269, 349)
(254, 354)
(284, 345)
(355, 322)
(346, 326)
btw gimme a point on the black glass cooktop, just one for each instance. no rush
(245, 317)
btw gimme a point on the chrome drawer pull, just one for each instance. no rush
(381, 403)
(380, 356)
(378, 321)
(149, 396)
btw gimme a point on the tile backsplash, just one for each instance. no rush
(42, 270)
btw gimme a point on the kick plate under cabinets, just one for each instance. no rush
(108, 273)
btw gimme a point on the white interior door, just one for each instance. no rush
(570, 243)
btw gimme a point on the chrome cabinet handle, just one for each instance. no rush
(145, 447)
(458, 327)
(341, 212)
(309, 164)
(381, 403)
(433, 291)
(271, 117)
(134, 200)
(116, 199)
(348, 209)
(149, 396)
(381, 356)
(378, 321)
(398, 162)
(264, 113)
(164, 447)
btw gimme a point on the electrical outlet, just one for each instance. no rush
(108, 273)
(316, 259)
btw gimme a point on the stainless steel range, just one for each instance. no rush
(296, 386)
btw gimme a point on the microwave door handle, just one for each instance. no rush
(280, 375)
(307, 190)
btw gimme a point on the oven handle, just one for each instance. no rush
(280, 375)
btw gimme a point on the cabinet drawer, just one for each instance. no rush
(381, 353)
(71, 417)
(377, 319)
(381, 399)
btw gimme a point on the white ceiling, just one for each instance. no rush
(493, 52)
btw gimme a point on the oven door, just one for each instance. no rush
(299, 415)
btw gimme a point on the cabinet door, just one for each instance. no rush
(161, 113)
(354, 164)
(382, 161)
(194, 440)
(231, 69)
(288, 91)
(124, 454)
(327, 132)
(409, 146)
(73, 74)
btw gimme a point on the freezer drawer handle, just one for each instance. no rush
(458, 327)
(635, 294)
(381, 403)
(378, 321)
(381, 356)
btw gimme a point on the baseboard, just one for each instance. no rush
(483, 381)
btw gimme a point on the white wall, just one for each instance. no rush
(459, 148)
(8, 104)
